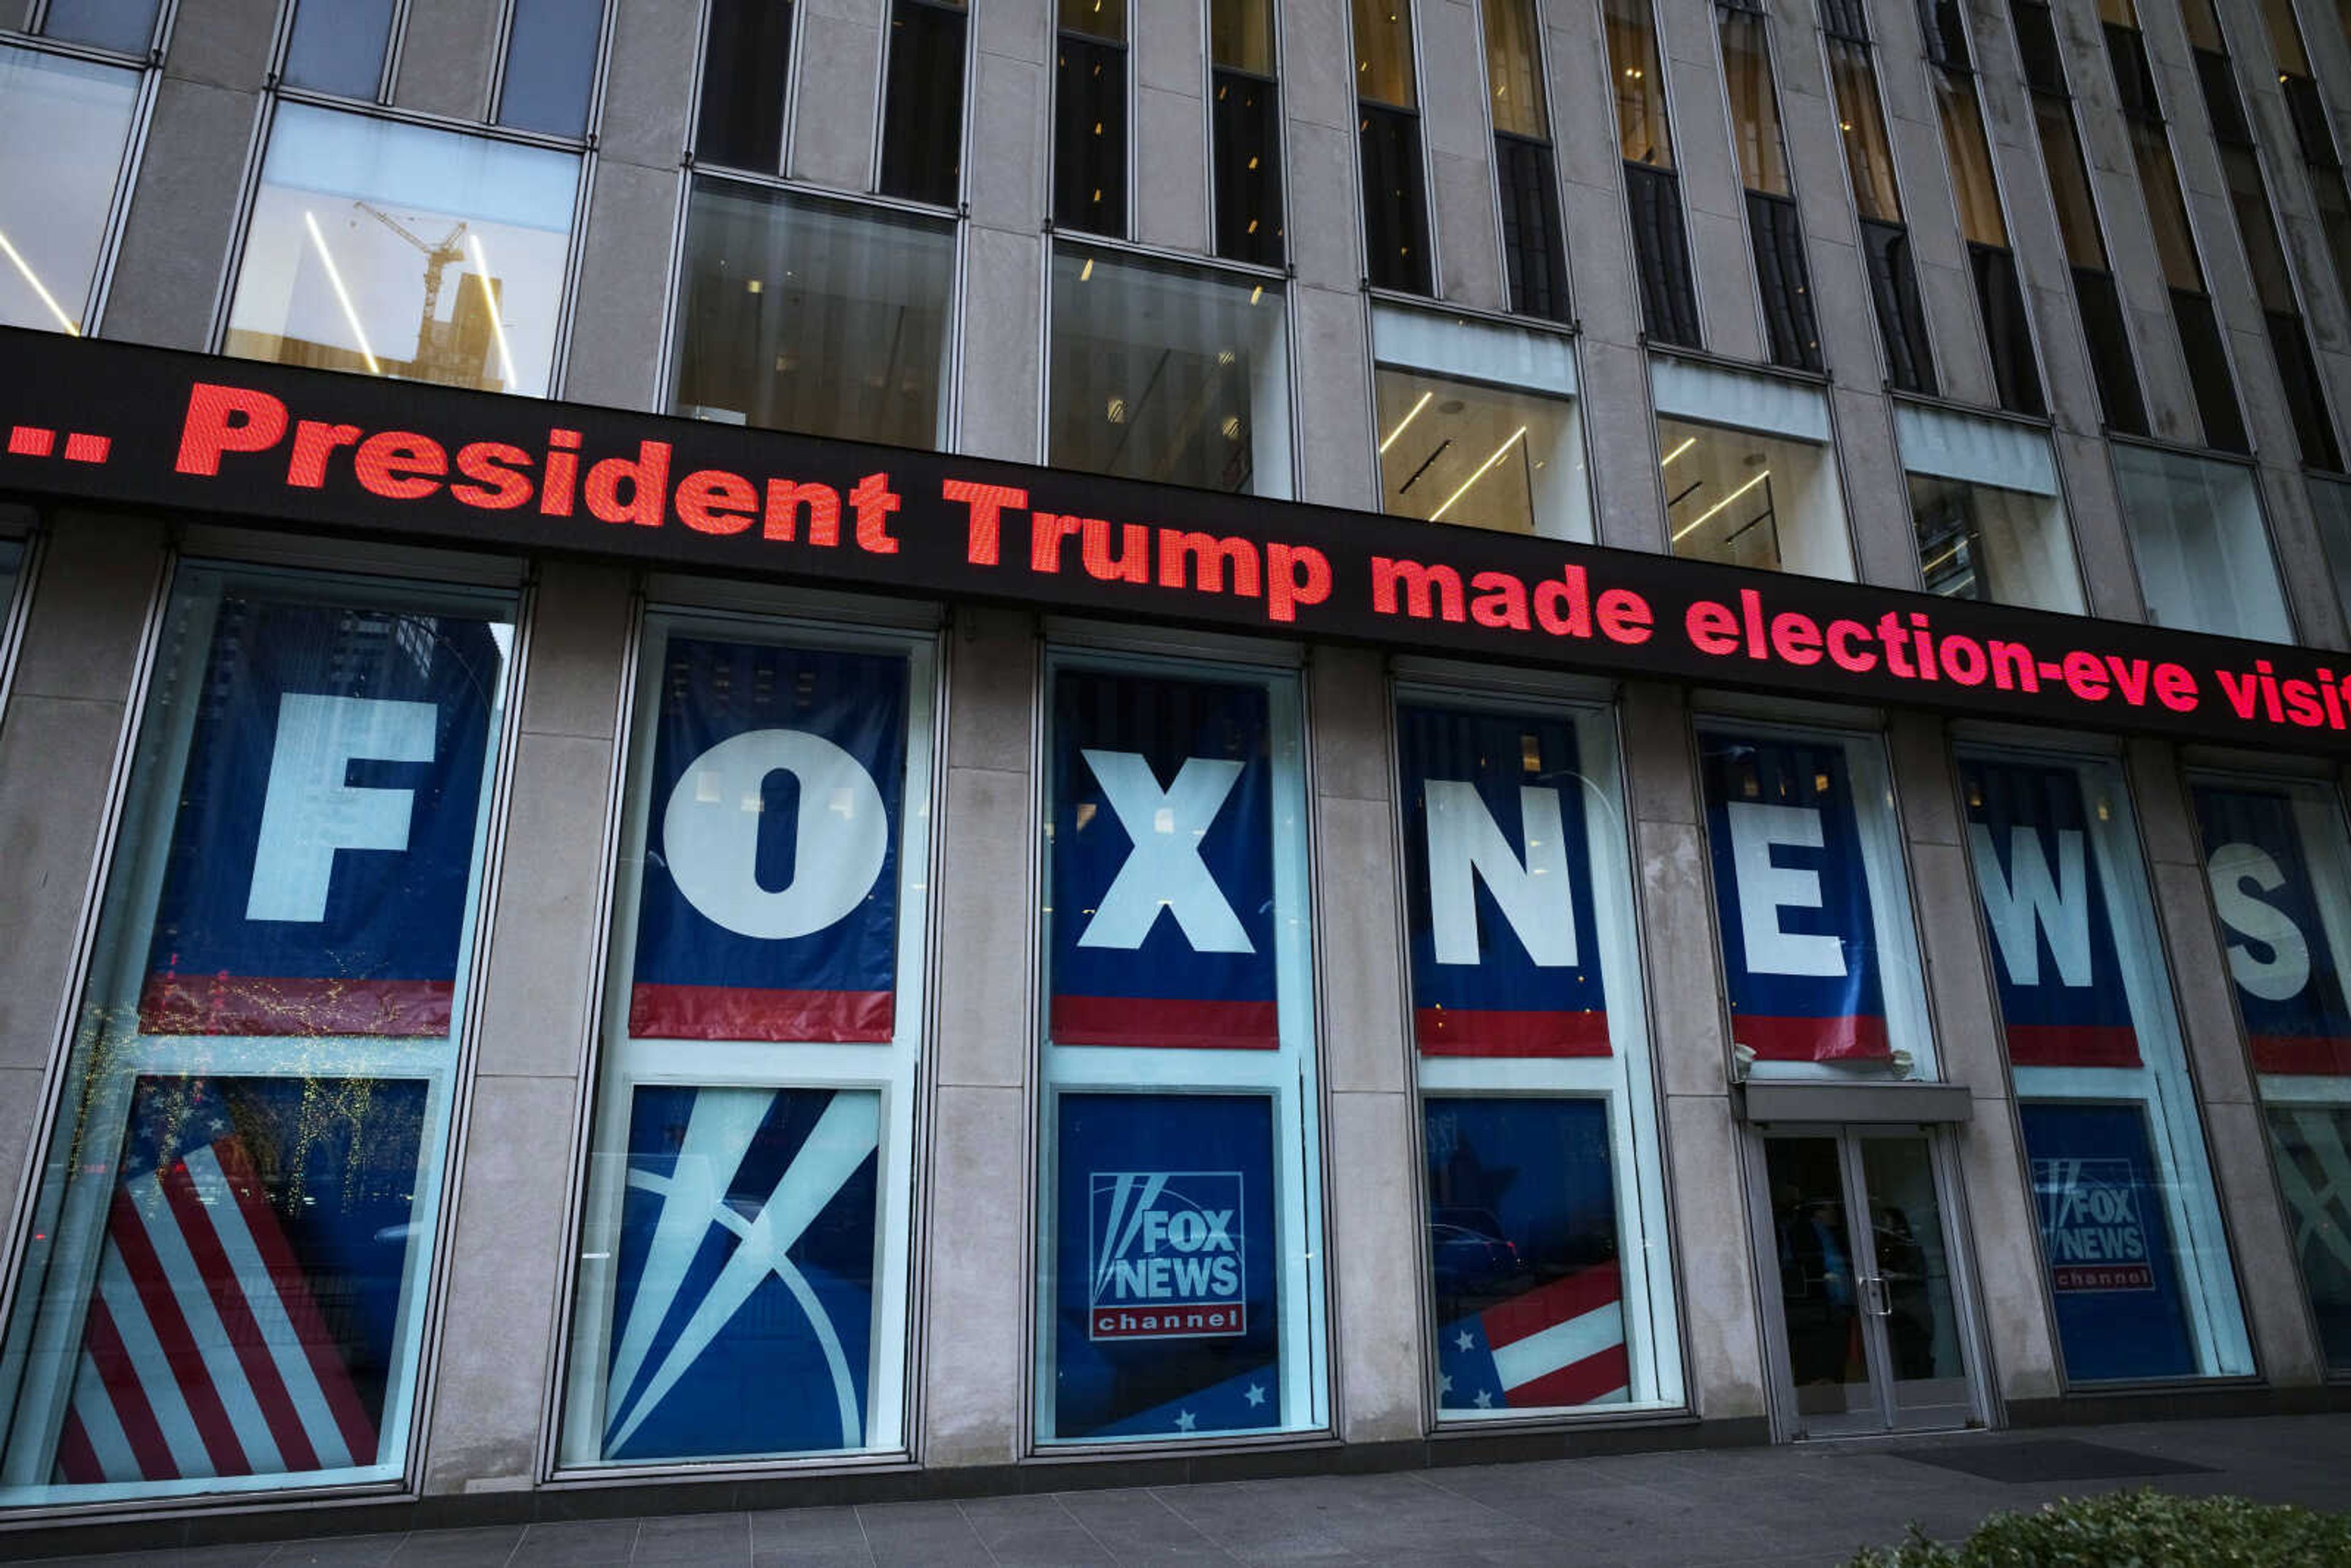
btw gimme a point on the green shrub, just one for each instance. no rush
(2141, 1529)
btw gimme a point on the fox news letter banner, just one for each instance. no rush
(1162, 863)
(2120, 1313)
(1799, 946)
(317, 871)
(2044, 905)
(2297, 1020)
(1504, 958)
(1522, 1240)
(770, 905)
(1169, 1309)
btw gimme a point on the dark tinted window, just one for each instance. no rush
(2134, 78)
(2007, 332)
(2110, 352)
(922, 126)
(1661, 250)
(743, 62)
(1530, 233)
(2305, 395)
(1901, 318)
(2207, 372)
(2036, 41)
(1090, 136)
(1782, 277)
(551, 66)
(1245, 124)
(1396, 217)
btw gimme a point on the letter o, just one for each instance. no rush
(1963, 659)
(710, 833)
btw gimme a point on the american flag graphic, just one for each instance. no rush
(1559, 1343)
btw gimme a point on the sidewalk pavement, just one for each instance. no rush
(1809, 1503)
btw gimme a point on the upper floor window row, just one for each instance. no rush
(548, 52)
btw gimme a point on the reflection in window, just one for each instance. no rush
(1535, 263)
(1483, 456)
(550, 70)
(2203, 554)
(1168, 374)
(406, 252)
(922, 122)
(1745, 498)
(337, 45)
(249, 1165)
(1984, 499)
(804, 315)
(64, 126)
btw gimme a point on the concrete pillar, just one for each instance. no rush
(539, 1011)
(1336, 441)
(1714, 199)
(1007, 166)
(836, 81)
(1169, 54)
(1464, 223)
(448, 58)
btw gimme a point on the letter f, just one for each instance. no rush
(309, 812)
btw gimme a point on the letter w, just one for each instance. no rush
(1165, 870)
(2026, 899)
(1464, 843)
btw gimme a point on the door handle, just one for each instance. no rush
(1874, 1300)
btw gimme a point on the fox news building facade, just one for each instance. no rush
(766, 752)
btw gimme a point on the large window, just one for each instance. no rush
(1813, 904)
(1984, 499)
(1179, 1260)
(822, 317)
(1549, 1281)
(1477, 425)
(397, 250)
(752, 1169)
(1749, 478)
(2130, 1229)
(229, 1255)
(1170, 373)
(64, 132)
(2281, 873)
(2203, 554)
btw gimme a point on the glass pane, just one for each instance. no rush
(1928, 1376)
(1487, 457)
(1104, 19)
(1383, 67)
(1240, 35)
(1754, 103)
(1534, 251)
(1901, 313)
(1979, 541)
(1164, 374)
(2069, 182)
(1652, 200)
(1395, 200)
(1819, 959)
(1090, 138)
(922, 130)
(2285, 36)
(2103, 329)
(1642, 134)
(1523, 1255)
(1784, 280)
(337, 45)
(743, 60)
(2209, 371)
(799, 315)
(125, 25)
(1972, 181)
(551, 65)
(1868, 155)
(2204, 555)
(1245, 123)
(230, 1253)
(1820, 1295)
(405, 251)
(2175, 243)
(1748, 499)
(2312, 1145)
(1514, 69)
(64, 126)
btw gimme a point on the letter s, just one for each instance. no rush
(2235, 870)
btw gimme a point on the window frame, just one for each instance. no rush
(1419, 113)
(963, 115)
(1277, 80)
(1791, 204)
(690, 158)
(592, 117)
(1494, 138)
(1128, 88)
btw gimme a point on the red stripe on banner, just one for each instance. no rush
(294, 1296)
(77, 1459)
(260, 1004)
(104, 1343)
(128, 1231)
(2322, 1055)
(1488, 1032)
(2072, 1045)
(1811, 1039)
(1548, 1306)
(1165, 1021)
(1578, 1383)
(228, 1292)
(744, 1012)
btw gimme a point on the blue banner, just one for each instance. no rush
(1799, 946)
(1522, 1243)
(2099, 1197)
(743, 1319)
(1167, 1296)
(770, 904)
(319, 865)
(1498, 880)
(2059, 974)
(2288, 990)
(1162, 863)
(243, 1317)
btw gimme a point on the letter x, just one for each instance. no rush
(1165, 870)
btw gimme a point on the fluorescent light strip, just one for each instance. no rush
(335, 276)
(1499, 452)
(1407, 419)
(32, 277)
(1683, 532)
(506, 352)
(1687, 442)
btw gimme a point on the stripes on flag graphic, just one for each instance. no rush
(241, 1314)
(1559, 1343)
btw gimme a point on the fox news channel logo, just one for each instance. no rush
(1167, 1256)
(2090, 1223)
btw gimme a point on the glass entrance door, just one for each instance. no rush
(1871, 1336)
